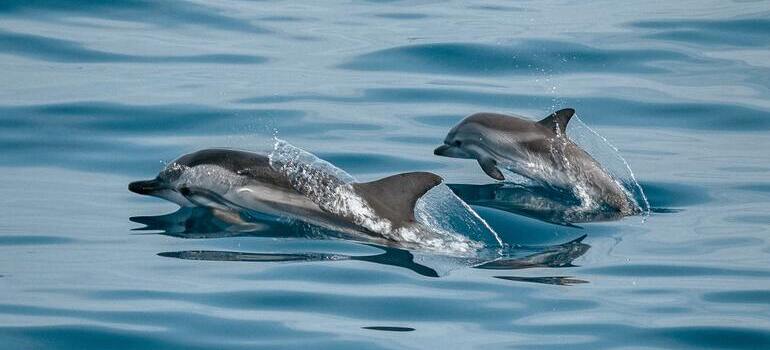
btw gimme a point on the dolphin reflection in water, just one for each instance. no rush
(536, 202)
(203, 223)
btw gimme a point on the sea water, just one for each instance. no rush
(97, 94)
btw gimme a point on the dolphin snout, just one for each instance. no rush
(441, 150)
(452, 151)
(144, 187)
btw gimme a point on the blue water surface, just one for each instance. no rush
(99, 93)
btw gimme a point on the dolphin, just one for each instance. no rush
(228, 181)
(539, 151)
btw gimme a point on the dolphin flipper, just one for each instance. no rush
(220, 208)
(489, 166)
(204, 198)
(394, 197)
(557, 122)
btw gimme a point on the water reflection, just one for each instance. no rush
(556, 280)
(205, 223)
(531, 201)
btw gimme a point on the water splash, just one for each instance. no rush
(440, 208)
(609, 157)
(444, 223)
(326, 185)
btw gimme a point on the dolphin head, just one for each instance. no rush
(458, 142)
(475, 138)
(162, 186)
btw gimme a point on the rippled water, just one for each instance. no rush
(96, 94)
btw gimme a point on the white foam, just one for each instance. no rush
(611, 160)
(445, 223)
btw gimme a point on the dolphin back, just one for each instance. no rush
(394, 197)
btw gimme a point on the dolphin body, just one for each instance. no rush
(539, 151)
(230, 180)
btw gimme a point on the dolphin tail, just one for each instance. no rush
(394, 197)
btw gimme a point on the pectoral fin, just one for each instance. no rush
(203, 197)
(489, 166)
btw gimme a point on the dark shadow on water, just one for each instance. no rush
(204, 223)
(389, 328)
(557, 280)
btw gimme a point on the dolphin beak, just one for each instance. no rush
(451, 152)
(146, 187)
(442, 150)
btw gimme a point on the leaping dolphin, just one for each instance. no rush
(226, 180)
(539, 151)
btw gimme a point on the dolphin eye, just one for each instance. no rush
(457, 143)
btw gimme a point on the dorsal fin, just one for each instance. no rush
(394, 197)
(557, 122)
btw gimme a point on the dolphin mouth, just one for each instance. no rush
(146, 187)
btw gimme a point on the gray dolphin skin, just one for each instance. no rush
(227, 180)
(537, 150)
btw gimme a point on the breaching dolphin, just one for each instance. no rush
(539, 151)
(226, 180)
